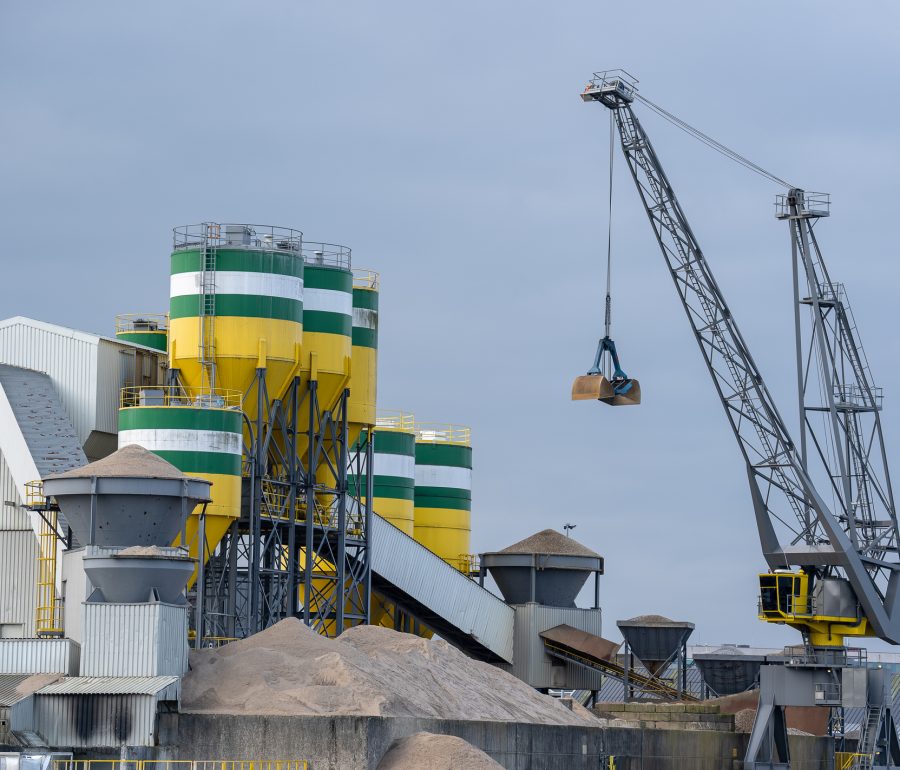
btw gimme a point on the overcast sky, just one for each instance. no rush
(447, 146)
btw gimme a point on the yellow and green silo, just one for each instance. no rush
(199, 436)
(236, 305)
(148, 329)
(327, 320)
(394, 473)
(364, 356)
(443, 492)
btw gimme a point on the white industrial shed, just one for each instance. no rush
(59, 397)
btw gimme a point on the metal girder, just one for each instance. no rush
(301, 546)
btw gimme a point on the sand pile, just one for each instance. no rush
(551, 542)
(131, 460)
(149, 550)
(371, 671)
(427, 751)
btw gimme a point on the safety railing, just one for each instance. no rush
(815, 204)
(181, 764)
(175, 395)
(365, 279)
(850, 760)
(443, 433)
(235, 235)
(395, 420)
(330, 254)
(34, 496)
(141, 322)
(843, 657)
(467, 563)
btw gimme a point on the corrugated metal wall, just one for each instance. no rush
(18, 576)
(134, 640)
(18, 561)
(12, 516)
(39, 656)
(69, 357)
(85, 721)
(532, 664)
(114, 368)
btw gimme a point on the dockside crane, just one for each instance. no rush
(824, 508)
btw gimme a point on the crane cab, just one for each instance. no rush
(826, 609)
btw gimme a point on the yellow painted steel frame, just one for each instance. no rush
(785, 598)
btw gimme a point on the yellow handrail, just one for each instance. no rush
(443, 433)
(363, 278)
(181, 764)
(394, 419)
(175, 395)
(142, 322)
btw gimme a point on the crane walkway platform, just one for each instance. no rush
(441, 597)
(598, 654)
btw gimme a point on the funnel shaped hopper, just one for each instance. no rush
(133, 575)
(729, 670)
(654, 639)
(132, 497)
(547, 568)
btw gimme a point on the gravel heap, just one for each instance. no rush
(743, 723)
(551, 542)
(150, 550)
(130, 460)
(369, 671)
(648, 619)
(427, 751)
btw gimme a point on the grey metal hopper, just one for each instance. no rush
(137, 498)
(654, 639)
(729, 670)
(547, 568)
(138, 574)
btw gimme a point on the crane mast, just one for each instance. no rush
(848, 581)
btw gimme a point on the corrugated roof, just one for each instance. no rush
(42, 419)
(8, 685)
(109, 685)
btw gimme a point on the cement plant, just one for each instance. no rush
(218, 551)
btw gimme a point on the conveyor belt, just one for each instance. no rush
(440, 596)
(598, 654)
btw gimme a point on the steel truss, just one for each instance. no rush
(300, 547)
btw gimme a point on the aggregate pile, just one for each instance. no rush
(130, 460)
(369, 671)
(550, 542)
(427, 751)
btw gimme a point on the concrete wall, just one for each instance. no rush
(358, 743)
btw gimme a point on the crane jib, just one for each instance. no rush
(857, 534)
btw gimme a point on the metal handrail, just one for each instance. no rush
(330, 254)
(181, 764)
(142, 322)
(394, 419)
(363, 278)
(222, 235)
(443, 433)
(175, 396)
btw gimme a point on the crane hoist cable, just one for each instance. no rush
(606, 381)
